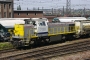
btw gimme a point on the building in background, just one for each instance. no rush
(27, 14)
(6, 8)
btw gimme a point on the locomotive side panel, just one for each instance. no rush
(61, 31)
(55, 38)
(61, 28)
(19, 31)
(28, 31)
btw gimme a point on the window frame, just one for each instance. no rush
(4, 14)
(18, 13)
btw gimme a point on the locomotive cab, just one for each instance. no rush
(40, 26)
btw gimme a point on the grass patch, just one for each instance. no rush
(5, 45)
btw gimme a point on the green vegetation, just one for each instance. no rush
(5, 45)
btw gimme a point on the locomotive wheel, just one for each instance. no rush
(63, 38)
(17, 44)
(88, 35)
(32, 43)
(77, 36)
(47, 41)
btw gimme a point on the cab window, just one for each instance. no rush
(42, 23)
(34, 22)
(30, 22)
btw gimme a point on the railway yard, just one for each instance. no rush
(58, 51)
(49, 33)
(37, 39)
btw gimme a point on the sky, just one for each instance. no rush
(48, 4)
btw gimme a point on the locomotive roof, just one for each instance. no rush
(37, 19)
(63, 23)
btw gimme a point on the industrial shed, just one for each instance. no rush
(6, 24)
(10, 22)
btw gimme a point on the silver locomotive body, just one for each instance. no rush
(58, 31)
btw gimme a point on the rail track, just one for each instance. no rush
(8, 50)
(59, 51)
(87, 59)
(47, 52)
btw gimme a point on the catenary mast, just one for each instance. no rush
(68, 7)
